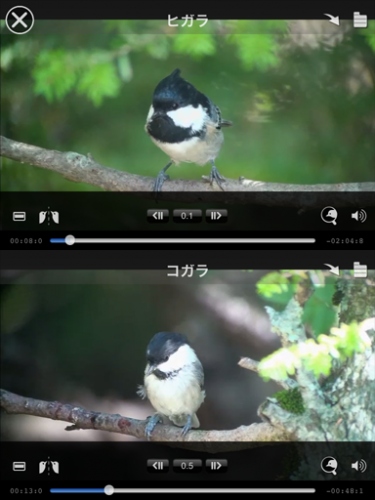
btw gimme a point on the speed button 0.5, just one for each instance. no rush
(192, 466)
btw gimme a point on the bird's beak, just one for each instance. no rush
(149, 370)
(158, 114)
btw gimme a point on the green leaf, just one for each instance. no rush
(319, 312)
(258, 26)
(369, 34)
(275, 286)
(99, 81)
(196, 46)
(270, 289)
(159, 47)
(124, 68)
(256, 51)
(21, 52)
(349, 339)
(315, 356)
(278, 365)
(53, 74)
(7, 56)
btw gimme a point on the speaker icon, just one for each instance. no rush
(360, 465)
(360, 215)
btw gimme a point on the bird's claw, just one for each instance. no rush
(159, 181)
(151, 424)
(215, 176)
(187, 427)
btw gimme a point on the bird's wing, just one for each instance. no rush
(142, 392)
(198, 368)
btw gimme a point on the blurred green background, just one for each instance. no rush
(80, 337)
(300, 94)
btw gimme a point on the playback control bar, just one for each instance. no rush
(227, 213)
(71, 240)
(110, 490)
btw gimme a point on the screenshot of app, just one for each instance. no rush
(187, 249)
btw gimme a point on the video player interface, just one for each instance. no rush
(187, 256)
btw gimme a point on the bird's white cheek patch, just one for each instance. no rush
(183, 356)
(188, 116)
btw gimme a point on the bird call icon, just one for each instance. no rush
(329, 465)
(47, 215)
(329, 215)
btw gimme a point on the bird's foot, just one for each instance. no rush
(151, 424)
(187, 426)
(215, 176)
(159, 181)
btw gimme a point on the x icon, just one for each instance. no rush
(19, 20)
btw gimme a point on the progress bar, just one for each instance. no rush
(71, 240)
(110, 490)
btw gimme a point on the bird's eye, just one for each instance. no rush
(166, 359)
(174, 105)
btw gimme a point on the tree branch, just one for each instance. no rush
(339, 407)
(251, 364)
(242, 437)
(80, 168)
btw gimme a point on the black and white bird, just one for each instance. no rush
(186, 125)
(173, 382)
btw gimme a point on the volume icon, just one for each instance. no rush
(360, 465)
(360, 215)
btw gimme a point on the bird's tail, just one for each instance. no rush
(141, 392)
(195, 422)
(181, 420)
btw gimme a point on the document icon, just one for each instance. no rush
(360, 270)
(359, 20)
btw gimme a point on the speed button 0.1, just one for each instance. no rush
(192, 466)
(187, 216)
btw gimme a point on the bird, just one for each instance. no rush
(173, 382)
(186, 125)
(42, 217)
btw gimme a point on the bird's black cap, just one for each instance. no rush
(175, 88)
(163, 344)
